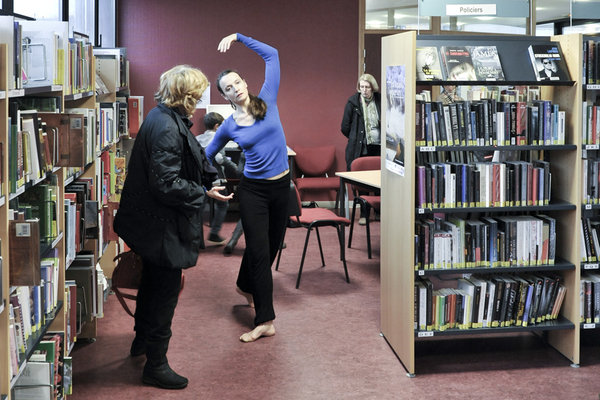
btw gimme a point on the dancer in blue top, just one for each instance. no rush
(264, 187)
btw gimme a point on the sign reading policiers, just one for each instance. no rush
(504, 8)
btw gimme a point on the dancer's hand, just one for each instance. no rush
(215, 193)
(225, 43)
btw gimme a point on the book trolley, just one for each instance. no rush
(400, 252)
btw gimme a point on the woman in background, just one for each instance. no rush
(264, 187)
(361, 124)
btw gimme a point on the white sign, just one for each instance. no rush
(470, 9)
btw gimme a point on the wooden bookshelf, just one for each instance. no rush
(400, 210)
(76, 93)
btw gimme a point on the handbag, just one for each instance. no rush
(128, 275)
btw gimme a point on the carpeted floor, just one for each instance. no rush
(327, 345)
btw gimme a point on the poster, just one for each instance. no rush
(394, 129)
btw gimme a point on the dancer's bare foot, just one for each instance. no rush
(267, 329)
(248, 296)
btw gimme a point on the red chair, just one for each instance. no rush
(313, 167)
(366, 200)
(310, 218)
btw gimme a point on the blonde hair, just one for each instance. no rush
(369, 78)
(182, 86)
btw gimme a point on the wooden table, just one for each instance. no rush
(368, 179)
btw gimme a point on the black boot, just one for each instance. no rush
(235, 236)
(138, 347)
(163, 376)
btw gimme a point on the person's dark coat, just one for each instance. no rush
(353, 126)
(160, 213)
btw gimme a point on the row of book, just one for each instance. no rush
(504, 241)
(591, 181)
(483, 184)
(591, 62)
(482, 63)
(30, 308)
(591, 123)
(589, 296)
(48, 372)
(488, 122)
(45, 55)
(590, 239)
(459, 63)
(488, 302)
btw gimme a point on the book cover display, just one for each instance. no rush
(547, 62)
(428, 64)
(486, 63)
(458, 63)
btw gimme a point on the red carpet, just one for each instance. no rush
(327, 344)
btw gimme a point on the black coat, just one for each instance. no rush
(160, 213)
(353, 126)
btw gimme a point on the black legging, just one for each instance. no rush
(264, 212)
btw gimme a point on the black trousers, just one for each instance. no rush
(155, 306)
(264, 212)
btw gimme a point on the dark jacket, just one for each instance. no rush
(160, 214)
(353, 126)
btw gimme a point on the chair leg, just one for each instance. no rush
(352, 222)
(280, 249)
(303, 256)
(320, 246)
(368, 212)
(342, 250)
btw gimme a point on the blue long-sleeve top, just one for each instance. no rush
(263, 142)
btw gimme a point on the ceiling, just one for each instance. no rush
(546, 10)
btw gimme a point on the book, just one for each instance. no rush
(428, 64)
(486, 63)
(547, 62)
(457, 63)
(135, 105)
(24, 254)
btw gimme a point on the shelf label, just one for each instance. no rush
(593, 87)
(16, 93)
(23, 229)
(421, 211)
(589, 326)
(425, 334)
(588, 206)
(421, 272)
(592, 146)
(591, 266)
(470, 9)
(77, 96)
(426, 149)
(56, 88)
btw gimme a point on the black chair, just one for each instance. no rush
(310, 218)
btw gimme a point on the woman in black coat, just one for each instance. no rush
(353, 122)
(361, 124)
(160, 214)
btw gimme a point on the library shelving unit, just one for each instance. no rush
(590, 201)
(401, 212)
(69, 82)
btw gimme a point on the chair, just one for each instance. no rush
(314, 164)
(315, 218)
(365, 199)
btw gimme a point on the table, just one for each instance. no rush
(370, 179)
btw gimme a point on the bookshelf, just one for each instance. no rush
(399, 193)
(590, 261)
(67, 88)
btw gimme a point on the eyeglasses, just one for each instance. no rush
(547, 62)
